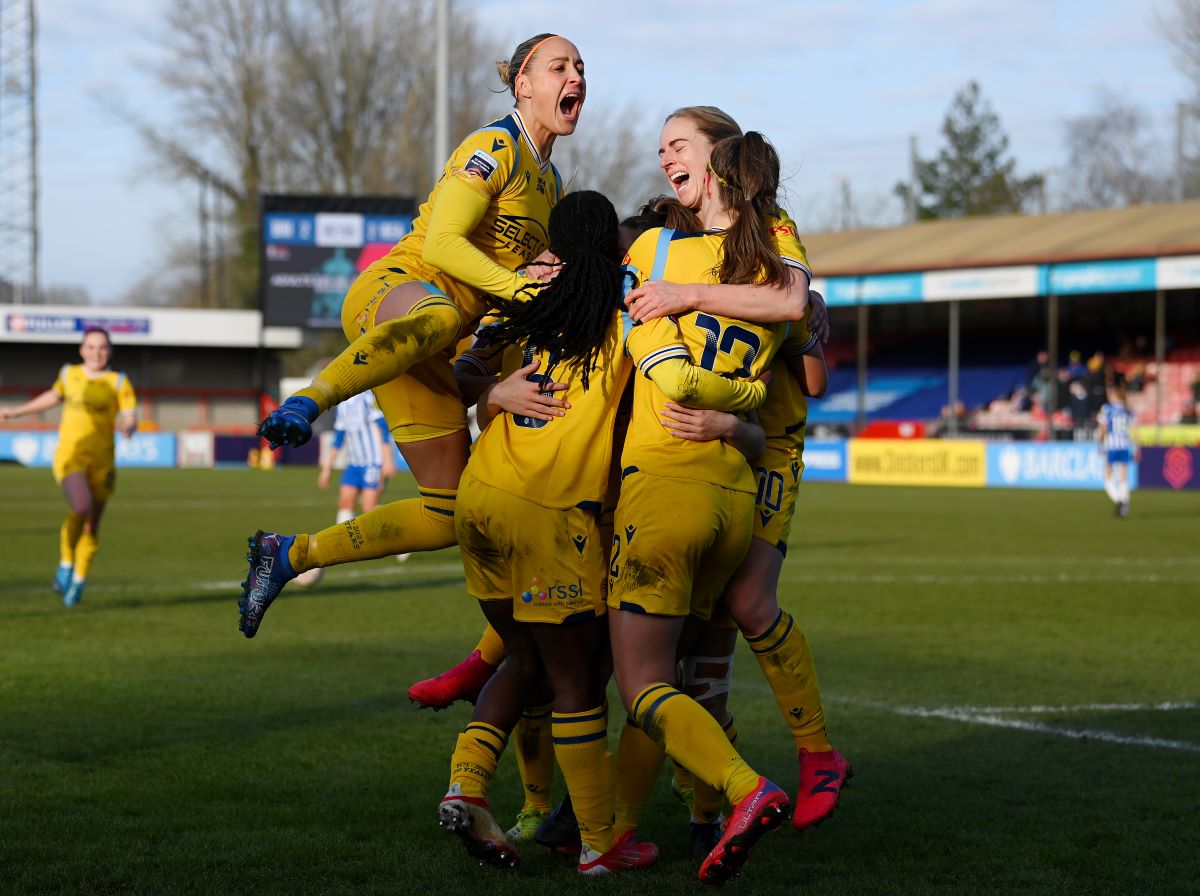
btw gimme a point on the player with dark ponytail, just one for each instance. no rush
(684, 520)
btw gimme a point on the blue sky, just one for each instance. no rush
(837, 87)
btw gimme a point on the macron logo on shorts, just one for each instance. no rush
(482, 164)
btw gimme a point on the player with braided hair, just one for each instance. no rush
(527, 524)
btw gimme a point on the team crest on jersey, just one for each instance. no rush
(580, 542)
(481, 164)
(630, 531)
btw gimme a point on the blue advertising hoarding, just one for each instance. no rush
(1047, 465)
(824, 460)
(36, 449)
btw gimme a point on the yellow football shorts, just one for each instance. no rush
(424, 402)
(676, 543)
(101, 473)
(550, 563)
(778, 472)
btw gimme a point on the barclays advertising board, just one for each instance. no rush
(824, 460)
(1047, 465)
(36, 449)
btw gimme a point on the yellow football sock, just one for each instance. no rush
(707, 802)
(475, 758)
(68, 537)
(693, 738)
(639, 761)
(685, 784)
(385, 351)
(490, 647)
(85, 553)
(414, 524)
(535, 756)
(581, 748)
(782, 651)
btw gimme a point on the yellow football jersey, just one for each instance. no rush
(90, 409)
(785, 411)
(787, 241)
(502, 162)
(732, 348)
(563, 462)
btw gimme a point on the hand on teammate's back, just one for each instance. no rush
(524, 397)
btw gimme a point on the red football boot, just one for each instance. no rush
(461, 682)
(822, 777)
(763, 810)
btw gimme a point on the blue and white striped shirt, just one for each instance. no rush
(1115, 421)
(354, 429)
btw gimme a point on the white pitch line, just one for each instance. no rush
(1080, 707)
(998, 579)
(994, 720)
(992, 560)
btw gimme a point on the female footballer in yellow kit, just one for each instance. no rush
(485, 218)
(528, 527)
(97, 402)
(686, 143)
(684, 519)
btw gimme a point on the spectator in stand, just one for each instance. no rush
(1075, 366)
(1079, 404)
(1037, 368)
(1042, 383)
(1096, 381)
(1191, 414)
(1196, 388)
(1136, 380)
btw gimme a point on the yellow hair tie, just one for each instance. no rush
(723, 181)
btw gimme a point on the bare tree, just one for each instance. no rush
(1113, 159)
(308, 96)
(1181, 28)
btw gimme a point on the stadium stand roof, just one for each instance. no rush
(1005, 240)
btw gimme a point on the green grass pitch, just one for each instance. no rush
(1015, 676)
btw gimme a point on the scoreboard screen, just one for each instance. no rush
(314, 246)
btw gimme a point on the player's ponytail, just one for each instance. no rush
(747, 172)
(570, 316)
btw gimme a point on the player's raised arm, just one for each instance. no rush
(36, 405)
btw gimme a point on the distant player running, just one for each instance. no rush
(1116, 441)
(485, 218)
(97, 403)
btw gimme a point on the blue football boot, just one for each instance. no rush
(290, 423)
(270, 570)
(62, 579)
(73, 594)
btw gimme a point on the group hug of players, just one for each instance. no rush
(625, 510)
